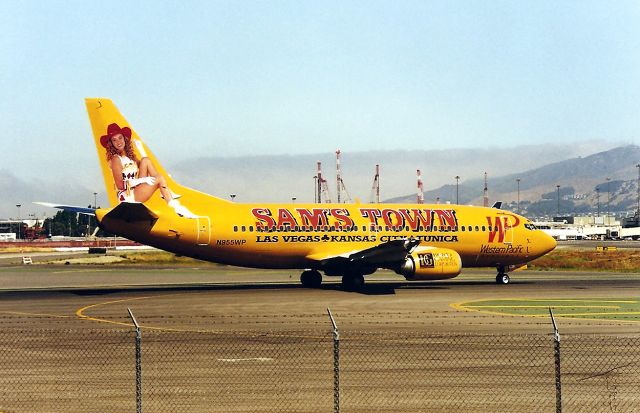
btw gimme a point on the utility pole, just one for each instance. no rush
(457, 183)
(558, 188)
(518, 181)
(598, 198)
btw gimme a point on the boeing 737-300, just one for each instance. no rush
(417, 241)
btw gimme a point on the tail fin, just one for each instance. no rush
(102, 113)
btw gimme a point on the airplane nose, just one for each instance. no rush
(547, 243)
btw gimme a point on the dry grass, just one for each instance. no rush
(157, 258)
(622, 260)
(14, 250)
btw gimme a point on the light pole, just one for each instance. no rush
(608, 199)
(233, 197)
(293, 199)
(457, 184)
(598, 198)
(558, 188)
(19, 220)
(518, 182)
(95, 200)
(638, 210)
(316, 190)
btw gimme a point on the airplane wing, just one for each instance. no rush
(70, 208)
(386, 255)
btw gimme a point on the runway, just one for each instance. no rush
(224, 339)
(212, 298)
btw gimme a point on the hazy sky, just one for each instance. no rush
(227, 78)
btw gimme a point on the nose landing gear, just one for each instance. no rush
(502, 277)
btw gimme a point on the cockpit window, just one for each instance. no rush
(530, 226)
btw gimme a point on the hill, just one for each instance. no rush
(578, 178)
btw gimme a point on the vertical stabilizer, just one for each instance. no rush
(103, 113)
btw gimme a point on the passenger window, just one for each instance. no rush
(477, 228)
(250, 228)
(244, 228)
(235, 228)
(483, 228)
(462, 228)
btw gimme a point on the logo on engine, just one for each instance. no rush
(426, 260)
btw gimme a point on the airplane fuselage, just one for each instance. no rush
(292, 235)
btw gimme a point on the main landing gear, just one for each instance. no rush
(502, 277)
(353, 282)
(350, 282)
(311, 279)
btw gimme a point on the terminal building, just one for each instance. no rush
(589, 228)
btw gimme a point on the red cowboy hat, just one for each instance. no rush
(113, 130)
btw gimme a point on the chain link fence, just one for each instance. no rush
(314, 371)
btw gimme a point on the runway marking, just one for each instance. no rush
(82, 271)
(80, 312)
(544, 306)
(34, 314)
(501, 307)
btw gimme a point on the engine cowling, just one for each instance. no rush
(431, 263)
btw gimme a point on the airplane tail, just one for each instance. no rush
(107, 121)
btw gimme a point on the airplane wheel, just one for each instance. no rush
(352, 282)
(311, 279)
(503, 278)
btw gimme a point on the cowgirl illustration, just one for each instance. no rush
(135, 180)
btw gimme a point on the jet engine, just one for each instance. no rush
(430, 263)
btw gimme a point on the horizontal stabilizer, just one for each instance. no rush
(131, 212)
(70, 208)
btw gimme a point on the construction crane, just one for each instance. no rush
(323, 188)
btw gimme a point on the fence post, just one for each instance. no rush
(556, 347)
(336, 364)
(138, 363)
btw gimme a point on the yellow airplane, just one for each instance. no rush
(418, 241)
